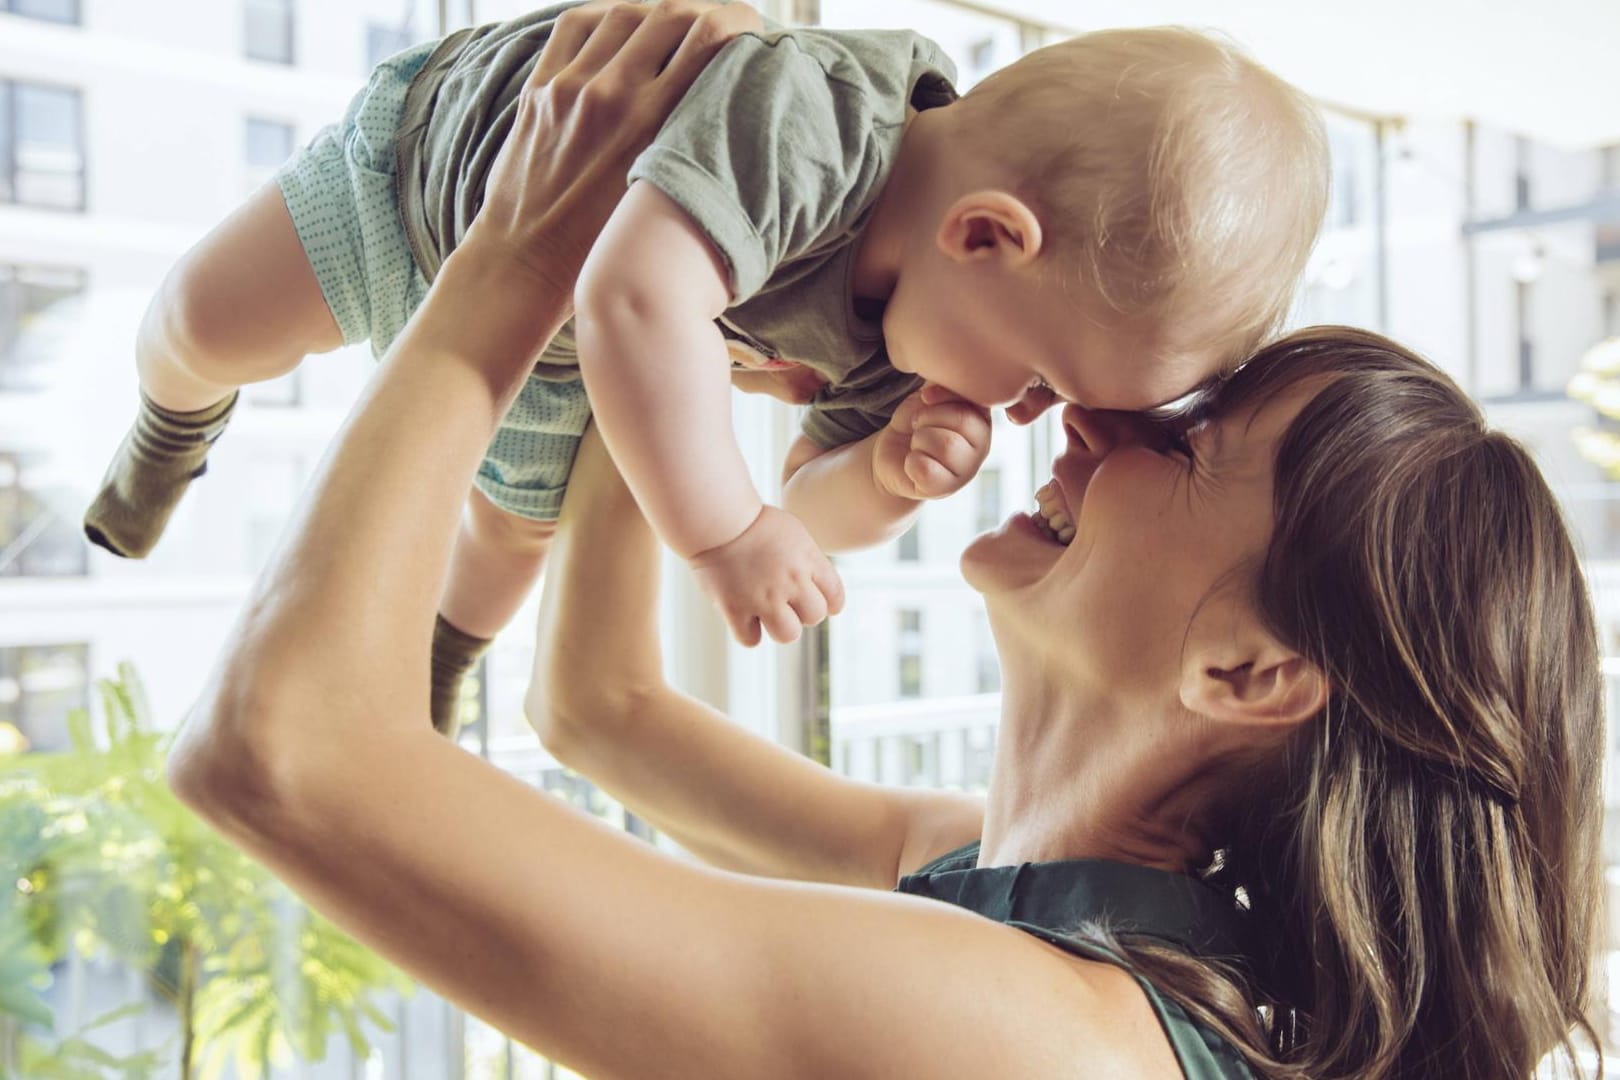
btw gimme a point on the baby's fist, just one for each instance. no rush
(934, 444)
(773, 576)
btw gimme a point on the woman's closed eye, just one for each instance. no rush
(1176, 441)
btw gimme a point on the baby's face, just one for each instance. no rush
(993, 341)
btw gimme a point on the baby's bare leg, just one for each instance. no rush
(242, 306)
(494, 564)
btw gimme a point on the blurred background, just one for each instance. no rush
(1475, 217)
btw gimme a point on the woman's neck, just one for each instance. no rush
(1076, 777)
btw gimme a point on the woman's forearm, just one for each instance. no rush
(602, 706)
(354, 589)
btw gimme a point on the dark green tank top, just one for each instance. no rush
(1052, 900)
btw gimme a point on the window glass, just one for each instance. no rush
(63, 11)
(267, 30)
(40, 685)
(42, 144)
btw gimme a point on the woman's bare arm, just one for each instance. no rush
(601, 705)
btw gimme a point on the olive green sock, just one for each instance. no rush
(454, 654)
(159, 458)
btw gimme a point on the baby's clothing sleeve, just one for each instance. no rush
(781, 145)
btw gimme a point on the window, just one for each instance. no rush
(1523, 297)
(988, 667)
(383, 41)
(62, 11)
(267, 143)
(982, 56)
(26, 293)
(909, 547)
(1611, 313)
(1606, 242)
(41, 145)
(267, 30)
(910, 653)
(988, 486)
(1521, 174)
(39, 534)
(39, 686)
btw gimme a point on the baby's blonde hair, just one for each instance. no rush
(1183, 181)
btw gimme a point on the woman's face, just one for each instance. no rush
(1143, 545)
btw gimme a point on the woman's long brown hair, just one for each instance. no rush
(1424, 856)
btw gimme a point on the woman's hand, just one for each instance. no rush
(603, 86)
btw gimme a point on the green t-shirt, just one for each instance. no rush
(1054, 901)
(777, 153)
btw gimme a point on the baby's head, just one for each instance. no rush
(1123, 215)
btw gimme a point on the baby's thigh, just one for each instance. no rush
(245, 298)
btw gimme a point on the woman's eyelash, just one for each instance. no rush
(1177, 443)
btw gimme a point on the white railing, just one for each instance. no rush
(935, 742)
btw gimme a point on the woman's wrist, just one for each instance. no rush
(489, 306)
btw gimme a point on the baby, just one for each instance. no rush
(1114, 219)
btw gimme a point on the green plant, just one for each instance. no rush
(97, 855)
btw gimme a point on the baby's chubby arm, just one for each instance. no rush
(656, 369)
(867, 492)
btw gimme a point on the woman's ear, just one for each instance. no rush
(990, 224)
(1252, 682)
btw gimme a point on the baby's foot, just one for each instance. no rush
(159, 458)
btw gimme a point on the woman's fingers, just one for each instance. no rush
(713, 27)
(568, 35)
(613, 30)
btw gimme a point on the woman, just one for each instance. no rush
(1299, 640)
(1333, 643)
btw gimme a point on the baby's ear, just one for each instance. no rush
(990, 224)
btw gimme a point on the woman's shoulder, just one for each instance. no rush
(1201, 1053)
(1049, 901)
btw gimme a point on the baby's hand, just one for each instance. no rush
(774, 576)
(933, 446)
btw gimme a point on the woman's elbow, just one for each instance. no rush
(227, 765)
(575, 716)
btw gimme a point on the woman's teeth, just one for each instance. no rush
(1050, 517)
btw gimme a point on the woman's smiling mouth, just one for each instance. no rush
(1052, 515)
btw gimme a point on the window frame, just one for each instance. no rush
(9, 170)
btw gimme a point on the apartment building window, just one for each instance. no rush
(40, 685)
(62, 11)
(26, 293)
(267, 30)
(910, 653)
(909, 546)
(266, 143)
(988, 512)
(987, 664)
(384, 40)
(41, 145)
(39, 528)
(1523, 307)
(1521, 174)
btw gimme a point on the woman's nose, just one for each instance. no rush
(1100, 432)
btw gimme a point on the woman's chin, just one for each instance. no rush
(1017, 553)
